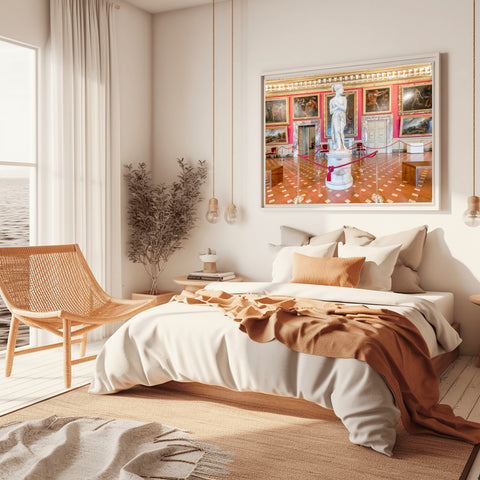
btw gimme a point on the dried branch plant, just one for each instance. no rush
(160, 217)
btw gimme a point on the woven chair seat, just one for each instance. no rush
(52, 288)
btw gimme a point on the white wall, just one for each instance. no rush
(134, 28)
(280, 34)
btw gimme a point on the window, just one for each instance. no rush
(18, 155)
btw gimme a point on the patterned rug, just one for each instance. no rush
(85, 448)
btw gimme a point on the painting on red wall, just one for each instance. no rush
(416, 126)
(377, 100)
(276, 136)
(415, 98)
(351, 127)
(276, 111)
(305, 106)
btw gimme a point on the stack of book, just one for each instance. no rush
(211, 276)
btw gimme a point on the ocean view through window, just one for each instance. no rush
(18, 156)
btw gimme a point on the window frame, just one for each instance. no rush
(33, 200)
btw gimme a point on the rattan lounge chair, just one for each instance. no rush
(53, 288)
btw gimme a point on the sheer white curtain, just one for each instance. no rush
(79, 173)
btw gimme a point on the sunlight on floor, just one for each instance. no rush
(38, 376)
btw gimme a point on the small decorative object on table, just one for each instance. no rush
(209, 259)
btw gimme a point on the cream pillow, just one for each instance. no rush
(337, 272)
(334, 236)
(293, 236)
(283, 264)
(290, 236)
(405, 278)
(379, 264)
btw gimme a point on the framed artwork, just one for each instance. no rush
(305, 106)
(400, 102)
(276, 135)
(416, 98)
(377, 100)
(351, 127)
(276, 111)
(416, 126)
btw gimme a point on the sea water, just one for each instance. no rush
(14, 231)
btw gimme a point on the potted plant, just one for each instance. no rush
(160, 217)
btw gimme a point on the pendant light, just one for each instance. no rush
(231, 214)
(212, 214)
(471, 216)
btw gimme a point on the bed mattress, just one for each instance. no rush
(198, 343)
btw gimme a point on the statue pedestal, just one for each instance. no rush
(341, 178)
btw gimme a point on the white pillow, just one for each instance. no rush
(379, 263)
(282, 268)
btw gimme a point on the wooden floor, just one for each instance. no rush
(39, 376)
(304, 182)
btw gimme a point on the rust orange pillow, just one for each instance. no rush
(333, 271)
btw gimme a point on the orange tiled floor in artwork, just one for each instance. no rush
(311, 188)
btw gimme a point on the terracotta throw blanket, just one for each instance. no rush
(385, 340)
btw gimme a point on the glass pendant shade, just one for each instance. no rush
(231, 214)
(212, 215)
(471, 216)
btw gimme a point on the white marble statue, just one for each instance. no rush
(338, 107)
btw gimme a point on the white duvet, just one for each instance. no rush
(198, 343)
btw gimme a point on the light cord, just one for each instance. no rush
(231, 168)
(474, 115)
(213, 99)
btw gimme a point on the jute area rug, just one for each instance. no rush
(270, 437)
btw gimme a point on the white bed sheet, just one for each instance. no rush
(198, 343)
(444, 301)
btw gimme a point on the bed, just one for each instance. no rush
(189, 342)
(214, 351)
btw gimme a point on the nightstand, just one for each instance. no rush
(194, 285)
(476, 300)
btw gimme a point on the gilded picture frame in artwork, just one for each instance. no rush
(306, 106)
(276, 135)
(276, 111)
(415, 98)
(377, 99)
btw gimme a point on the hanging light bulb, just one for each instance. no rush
(471, 216)
(212, 214)
(231, 214)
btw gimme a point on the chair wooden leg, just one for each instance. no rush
(67, 352)
(83, 345)
(12, 340)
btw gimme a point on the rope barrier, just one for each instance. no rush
(318, 148)
(331, 168)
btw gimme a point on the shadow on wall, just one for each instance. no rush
(440, 271)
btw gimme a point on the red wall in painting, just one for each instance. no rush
(321, 106)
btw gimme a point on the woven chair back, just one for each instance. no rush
(49, 278)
